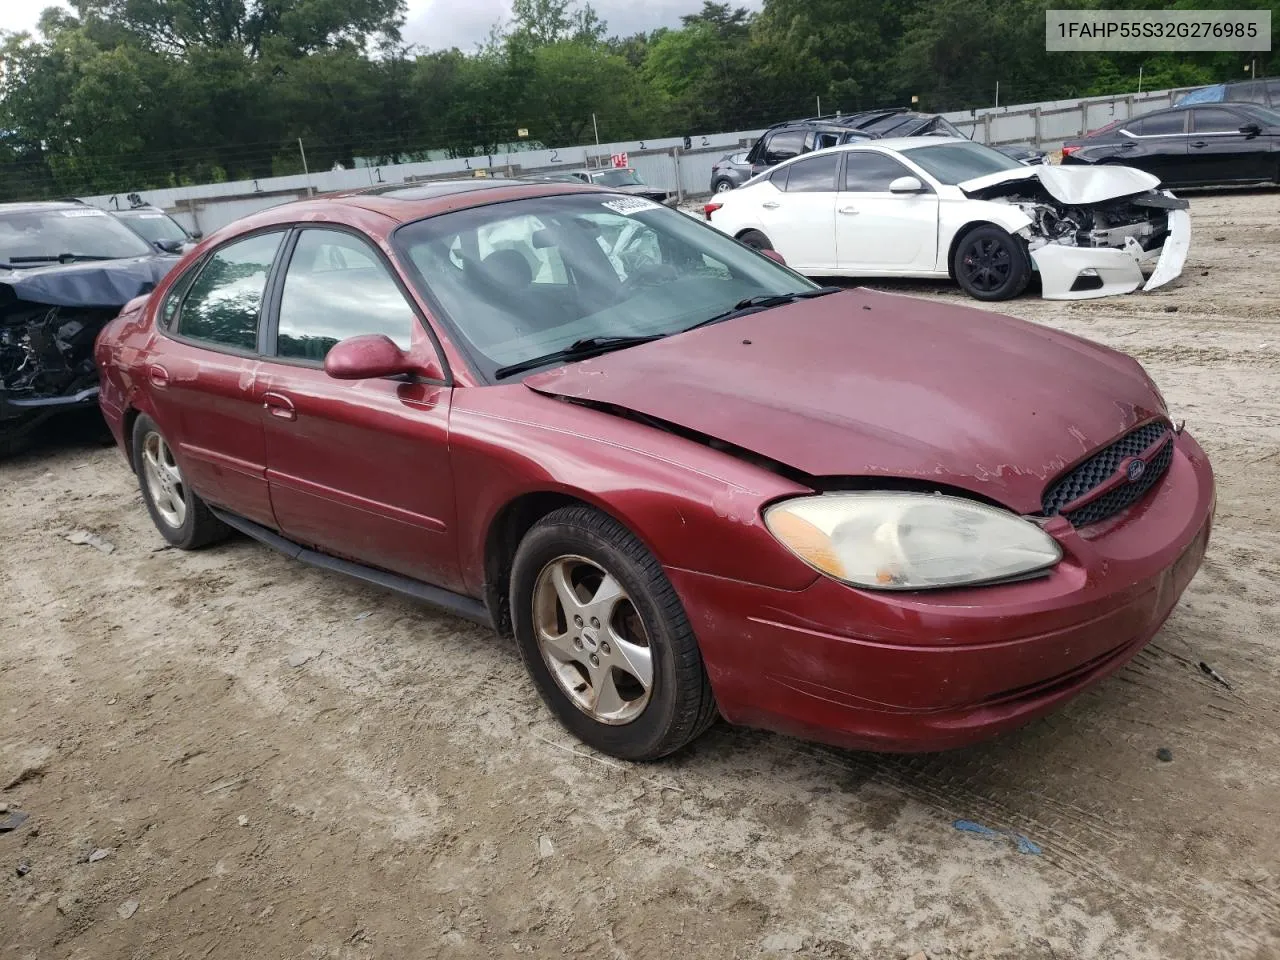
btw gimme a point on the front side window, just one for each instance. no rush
(814, 175)
(337, 287)
(525, 278)
(224, 303)
(1216, 120)
(868, 172)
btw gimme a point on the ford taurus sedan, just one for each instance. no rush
(688, 481)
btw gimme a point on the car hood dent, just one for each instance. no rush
(867, 384)
(105, 283)
(1072, 185)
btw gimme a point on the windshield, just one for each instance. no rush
(527, 278)
(35, 237)
(154, 227)
(617, 178)
(953, 163)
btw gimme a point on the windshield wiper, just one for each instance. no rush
(754, 304)
(582, 349)
(59, 258)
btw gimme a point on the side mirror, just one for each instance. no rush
(196, 235)
(906, 185)
(366, 357)
(775, 256)
(169, 246)
(1251, 130)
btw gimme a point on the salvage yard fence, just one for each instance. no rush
(665, 163)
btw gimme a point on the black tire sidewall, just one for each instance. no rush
(755, 240)
(183, 536)
(643, 737)
(1019, 270)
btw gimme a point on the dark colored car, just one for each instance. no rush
(686, 479)
(891, 122)
(158, 228)
(1199, 145)
(1265, 92)
(66, 269)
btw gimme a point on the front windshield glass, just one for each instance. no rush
(33, 238)
(617, 178)
(953, 163)
(155, 227)
(527, 278)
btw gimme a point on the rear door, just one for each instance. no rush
(799, 218)
(1220, 153)
(1157, 143)
(360, 468)
(882, 232)
(204, 374)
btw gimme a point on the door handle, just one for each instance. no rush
(278, 405)
(158, 375)
(849, 211)
(1200, 143)
(770, 205)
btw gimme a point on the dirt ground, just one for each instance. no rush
(282, 763)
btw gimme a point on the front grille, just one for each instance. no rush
(1101, 467)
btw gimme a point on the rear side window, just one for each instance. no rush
(337, 287)
(1159, 124)
(1216, 120)
(868, 172)
(815, 175)
(224, 303)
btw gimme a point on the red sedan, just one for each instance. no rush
(688, 480)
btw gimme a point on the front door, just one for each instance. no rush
(799, 217)
(882, 232)
(359, 469)
(1219, 153)
(203, 375)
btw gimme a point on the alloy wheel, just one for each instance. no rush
(592, 640)
(164, 480)
(987, 263)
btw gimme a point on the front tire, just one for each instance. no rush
(179, 514)
(605, 638)
(991, 264)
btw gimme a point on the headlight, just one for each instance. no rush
(910, 541)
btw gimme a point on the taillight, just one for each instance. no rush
(1069, 149)
(711, 208)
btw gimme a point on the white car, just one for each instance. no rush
(947, 207)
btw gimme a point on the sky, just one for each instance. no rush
(455, 23)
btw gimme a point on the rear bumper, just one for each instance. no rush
(924, 672)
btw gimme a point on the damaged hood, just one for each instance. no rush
(1072, 185)
(104, 283)
(867, 384)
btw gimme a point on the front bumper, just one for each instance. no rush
(1120, 270)
(930, 671)
(19, 415)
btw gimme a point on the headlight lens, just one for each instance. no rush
(910, 541)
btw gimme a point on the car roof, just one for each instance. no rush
(406, 202)
(905, 143)
(35, 206)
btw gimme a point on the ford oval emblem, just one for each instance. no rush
(1135, 470)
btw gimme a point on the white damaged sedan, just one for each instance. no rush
(947, 207)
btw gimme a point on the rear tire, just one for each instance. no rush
(755, 240)
(991, 264)
(177, 510)
(721, 186)
(605, 638)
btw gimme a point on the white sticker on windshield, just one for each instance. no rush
(630, 205)
(83, 213)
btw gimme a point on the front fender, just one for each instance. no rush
(695, 508)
